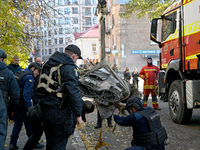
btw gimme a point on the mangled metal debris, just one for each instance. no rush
(105, 86)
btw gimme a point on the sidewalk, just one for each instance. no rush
(74, 142)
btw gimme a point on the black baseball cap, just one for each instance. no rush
(75, 49)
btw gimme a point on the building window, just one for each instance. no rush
(59, 2)
(67, 39)
(94, 10)
(74, 10)
(60, 40)
(94, 20)
(113, 19)
(60, 11)
(94, 1)
(61, 31)
(88, 2)
(74, 1)
(67, 20)
(45, 33)
(49, 33)
(55, 2)
(45, 51)
(67, 10)
(56, 21)
(45, 42)
(60, 21)
(55, 32)
(42, 52)
(88, 11)
(61, 49)
(56, 41)
(49, 42)
(67, 2)
(49, 24)
(56, 49)
(49, 51)
(67, 30)
(75, 20)
(94, 47)
(55, 13)
(88, 21)
(75, 30)
(49, 5)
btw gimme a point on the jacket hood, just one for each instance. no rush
(2, 65)
(60, 58)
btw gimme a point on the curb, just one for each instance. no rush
(79, 141)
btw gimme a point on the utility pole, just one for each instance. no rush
(102, 21)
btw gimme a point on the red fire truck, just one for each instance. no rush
(179, 82)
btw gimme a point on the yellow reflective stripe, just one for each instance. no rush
(149, 69)
(192, 56)
(141, 76)
(154, 102)
(148, 86)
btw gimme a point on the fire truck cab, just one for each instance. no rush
(179, 82)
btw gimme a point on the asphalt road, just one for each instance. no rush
(180, 137)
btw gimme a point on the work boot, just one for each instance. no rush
(39, 146)
(13, 147)
(99, 121)
(145, 100)
(158, 108)
(109, 120)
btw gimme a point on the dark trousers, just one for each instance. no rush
(135, 82)
(58, 125)
(3, 123)
(20, 117)
(37, 132)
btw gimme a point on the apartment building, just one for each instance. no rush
(127, 41)
(63, 18)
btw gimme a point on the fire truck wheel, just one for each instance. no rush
(177, 108)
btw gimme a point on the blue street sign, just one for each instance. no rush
(145, 51)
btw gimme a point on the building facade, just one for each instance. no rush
(88, 42)
(127, 41)
(57, 25)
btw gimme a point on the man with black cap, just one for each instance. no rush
(148, 133)
(59, 97)
(149, 74)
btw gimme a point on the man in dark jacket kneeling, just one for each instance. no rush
(148, 133)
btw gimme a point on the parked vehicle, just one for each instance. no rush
(179, 82)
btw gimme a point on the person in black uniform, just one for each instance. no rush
(148, 133)
(60, 111)
(9, 88)
(3, 120)
(26, 84)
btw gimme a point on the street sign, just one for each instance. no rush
(145, 51)
(115, 51)
(123, 56)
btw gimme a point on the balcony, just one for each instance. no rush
(87, 24)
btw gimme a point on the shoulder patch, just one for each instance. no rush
(76, 72)
(30, 80)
